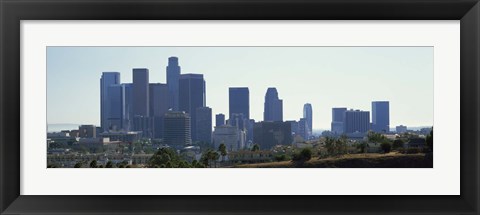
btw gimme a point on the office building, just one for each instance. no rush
(127, 109)
(294, 126)
(191, 96)
(219, 119)
(173, 75)
(141, 92)
(159, 104)
(204, 124)
(273, 106)
(239, 101)
(357, 121)
(270, 134)
(115, 104)
(338, 118)
(307, 114)
(303, 129)
(233, 138)
(87, 131)
(177, 129)
(380, 116)
(107, 79)
(401, 129)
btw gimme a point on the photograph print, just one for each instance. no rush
(240, 107)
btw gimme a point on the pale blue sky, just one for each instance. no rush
(326, 77)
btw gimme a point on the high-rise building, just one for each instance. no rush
(307, 114)
(159, 105)
(173, 75)
(115, 104)
(141, 92)
(273, 107)
(191, 96)
(380, 116)
(357, 121)
(158, 99)
(270, 134)
(127, 91)
(238, 120)
(239, 101)
(204, 124)
(303, 129)
(177, 129)
(338, 118)
(107, 79)
(219, 119)
(294, 127)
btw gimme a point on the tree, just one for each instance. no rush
(362, 147)
(109, 164)
(165, 156)
(397, 143)
(304, 155)
(93, 164)
(386, 147)
(429, 141)
(209, 156)
(255, 147)
(78, 165)
(223, 151)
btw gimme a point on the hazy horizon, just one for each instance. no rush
(326, 77)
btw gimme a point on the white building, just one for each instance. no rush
(233, 138)
(401, 129)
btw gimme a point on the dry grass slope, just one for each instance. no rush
(390, 160)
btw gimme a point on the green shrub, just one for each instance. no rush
(386, 147)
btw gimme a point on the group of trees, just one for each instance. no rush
(168, 158)
(94, 164)
(336, 146)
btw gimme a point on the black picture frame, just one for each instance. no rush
(13, 11)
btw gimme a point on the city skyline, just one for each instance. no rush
(61, 59)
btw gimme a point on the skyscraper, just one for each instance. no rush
(204, 124)
(219, 119)
(159, 104)
(191, 96)
(140, 92)
(357, 121)
(273, 107)
(107, 79)
(158, 99)
(115, 104)
(307, 114)
(303, 128)
(127, 106)
(239, 101)
(173, 75)
(380, 116)
(177, 129)
(338, 119)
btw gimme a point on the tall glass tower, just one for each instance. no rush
(381, 116)
(273, 106)
(191, 96)
(107, 79)
(239, 101)
(173, 75)
(307, 114)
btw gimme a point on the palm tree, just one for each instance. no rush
(223, 151)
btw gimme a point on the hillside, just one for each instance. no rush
(390, 160)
